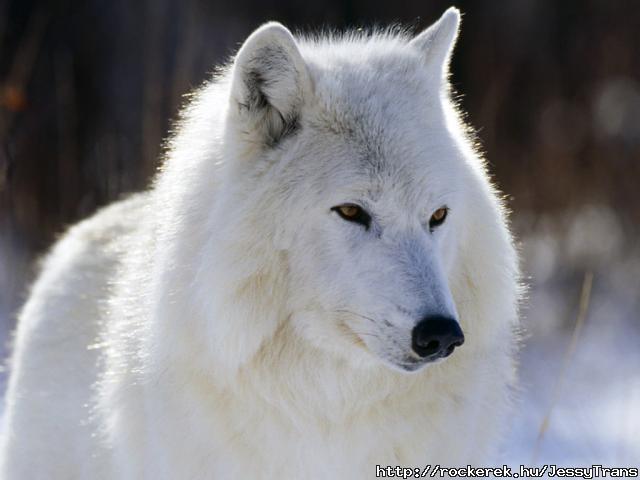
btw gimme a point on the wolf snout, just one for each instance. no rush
(436, 336)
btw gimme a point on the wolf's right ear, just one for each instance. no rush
(269, 83)
(436, 42)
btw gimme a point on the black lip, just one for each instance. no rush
(411, 364)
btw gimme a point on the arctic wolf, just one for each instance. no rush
(319, 281)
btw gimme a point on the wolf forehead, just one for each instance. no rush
(374, 97)
(380, 103)
(359, 85)
(357, 80)
(374, 101)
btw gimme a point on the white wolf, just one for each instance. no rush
(280, 302)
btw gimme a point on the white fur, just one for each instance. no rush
(227, 324)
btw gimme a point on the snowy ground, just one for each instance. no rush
(595, 418)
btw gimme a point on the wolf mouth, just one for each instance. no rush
(412, 365)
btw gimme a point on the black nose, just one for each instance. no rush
(436, 336)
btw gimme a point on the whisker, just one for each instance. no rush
(373, 335)
(356, 314)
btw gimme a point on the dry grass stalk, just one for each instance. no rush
(585, 297)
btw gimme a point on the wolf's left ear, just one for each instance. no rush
(436, 42)
(269, 83)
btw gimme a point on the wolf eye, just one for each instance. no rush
(353, 213)
(438, 217)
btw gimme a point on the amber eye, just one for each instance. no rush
(438, 217)
(349, 211)
(353, 213)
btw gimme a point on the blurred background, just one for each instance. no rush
(88, 90)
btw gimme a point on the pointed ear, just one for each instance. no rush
(436, 42)
(269, 84)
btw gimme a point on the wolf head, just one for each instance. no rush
(346, 191)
